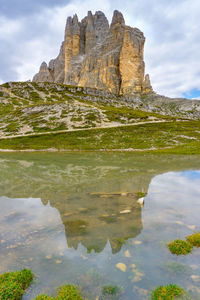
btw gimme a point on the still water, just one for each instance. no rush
(74, 218)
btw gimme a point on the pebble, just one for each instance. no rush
(137, 242)
(195, 278)
(127, 253)
(126, 211)
(121, 266)
(59, 261)
(48, 257)
(179, 222)
(136, 279)
(192, 227)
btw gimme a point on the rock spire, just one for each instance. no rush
(98, 55)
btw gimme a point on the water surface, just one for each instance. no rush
(75, 217)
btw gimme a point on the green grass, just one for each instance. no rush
(168, 292)
(140, 194)
(12, 127)
(160, 136)
(180, 247)
(117, 113)
(66, 292)
(13, 284)
(194, 239)
(112, 290)
(170, 137)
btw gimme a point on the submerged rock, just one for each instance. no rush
(121, 267)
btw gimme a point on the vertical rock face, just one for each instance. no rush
(131, 61)
(100, 56)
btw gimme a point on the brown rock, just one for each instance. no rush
(147, 88)
(131, 61)
(100, 56)
(44, 74)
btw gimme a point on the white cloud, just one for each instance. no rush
(171, 29)
(9, 27)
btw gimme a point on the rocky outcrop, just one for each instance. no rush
(44, 74)
(100, 56)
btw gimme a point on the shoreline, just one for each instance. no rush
(53, 150)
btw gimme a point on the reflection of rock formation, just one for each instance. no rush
(66, 181)
(94, 221)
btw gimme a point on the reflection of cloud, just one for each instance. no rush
(28, 225)
(175, 182)
(176, 194)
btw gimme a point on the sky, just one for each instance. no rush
(31, 31)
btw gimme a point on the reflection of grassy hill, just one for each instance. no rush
(62, 176)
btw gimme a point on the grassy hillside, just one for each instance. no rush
(170, 137)
(32, 114)
(27, 107)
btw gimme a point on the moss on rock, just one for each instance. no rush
(13, 284)
(168, 292)
(180, 247)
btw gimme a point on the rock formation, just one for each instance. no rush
(98, 55)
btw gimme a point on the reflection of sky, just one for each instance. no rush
(191, 174)
(175, 196)
(187, 182)
(172, 197)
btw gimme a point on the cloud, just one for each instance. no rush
(171, 29)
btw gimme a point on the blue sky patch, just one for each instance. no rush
(195, 93)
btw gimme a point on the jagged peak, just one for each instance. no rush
(68, 28)
(90, 22)
(118, 18)
(43, 66)
(90, 18)
(100, 18)
(75, 19)
(75, 25)
(99, 13)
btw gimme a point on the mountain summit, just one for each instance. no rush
(98, 55)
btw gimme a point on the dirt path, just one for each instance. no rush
(82, 129)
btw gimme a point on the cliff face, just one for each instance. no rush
(98, 55)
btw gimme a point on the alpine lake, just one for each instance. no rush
(75, 218)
